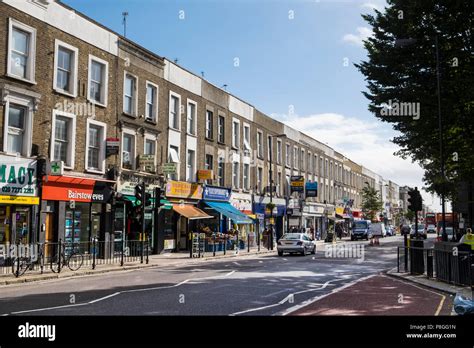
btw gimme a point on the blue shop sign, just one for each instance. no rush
(311, 189)
(216, 193)
(260, 208)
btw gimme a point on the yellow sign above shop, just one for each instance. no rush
(339, 210)
(181, 189)
(19, 200)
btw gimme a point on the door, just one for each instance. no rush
(183, 223)
(20, 225)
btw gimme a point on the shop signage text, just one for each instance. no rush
(181, 189)
(17, 176)
(216, 193)
(311, 189)
(112, 146)
(168, 168)
(297, 183)
(204, 174)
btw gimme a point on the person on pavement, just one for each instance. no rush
(468, 239)
(339, 231)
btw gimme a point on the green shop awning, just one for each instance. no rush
(165, 203)
(226, 209)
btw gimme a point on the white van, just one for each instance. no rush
(377, 229)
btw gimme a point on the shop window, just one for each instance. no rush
(21, 51)
(65, 68)
(95, 155)
(63, 138)
(98, 80)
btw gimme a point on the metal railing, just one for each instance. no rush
(449, 266)
(56, 257)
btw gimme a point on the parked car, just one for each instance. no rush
(360, 230)
(295, 243)
(390, 230)
(421, 231)
(430, 229)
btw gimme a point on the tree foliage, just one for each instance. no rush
(371, 202)
(407, 74)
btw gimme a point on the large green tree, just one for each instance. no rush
(407, 74)
(371, 202)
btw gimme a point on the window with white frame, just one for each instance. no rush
(260, 144)
(63, 138)
(288, 155)
(278, 152)
(269, 146)
(16, 128)
(209, 124)
(247, 146)
(21, 51)
(235, 133)
(95, 155)
(246, 176)
(295, 157)
(326, 169)
(174, 111)
(302, 167)
(220, 171)
(130, 95)
(191, 118)
(315, 164)
(278, 184)
(190, 166)
(65, 68)
(98, 80)
(287, 186)
(173, 157)
(321, 166)
(221, 129)
(150, 150)
(235, 175)
(308, 163)
(128, 149)
(151, 108)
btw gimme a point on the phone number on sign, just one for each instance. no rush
(9, 189)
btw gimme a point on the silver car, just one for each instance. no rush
(295, 243)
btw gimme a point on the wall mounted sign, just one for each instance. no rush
(181, 189)
(216, 193)
(17, 176)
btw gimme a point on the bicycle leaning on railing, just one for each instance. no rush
(73, 259)
(22, 263)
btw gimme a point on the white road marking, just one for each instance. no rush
(121, 292)
(317, 298)
(287, 298)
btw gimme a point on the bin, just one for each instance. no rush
(417, 260)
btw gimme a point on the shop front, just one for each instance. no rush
(274, 217)
(237, 226)
(184, 218)
(18, 200)
(243, 203)
(313, 217)
(127, 213)
(77, 210)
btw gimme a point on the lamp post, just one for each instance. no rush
(270, 158)
(406, 42)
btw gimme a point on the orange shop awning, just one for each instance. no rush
(190, 212)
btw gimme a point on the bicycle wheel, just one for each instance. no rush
(54, 263)
(19, 266)
(75, 261)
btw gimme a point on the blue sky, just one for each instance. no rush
(291, 54)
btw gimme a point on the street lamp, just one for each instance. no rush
(407, 42)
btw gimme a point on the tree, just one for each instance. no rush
(371, 201)
(410, 215)
(406, 77)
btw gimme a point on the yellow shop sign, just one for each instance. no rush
(19, 200)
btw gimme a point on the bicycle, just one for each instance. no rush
(73, 260)
(21, 264)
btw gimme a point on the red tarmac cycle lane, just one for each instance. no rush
(380, 295)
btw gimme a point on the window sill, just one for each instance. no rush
(95, 102)
(95, 171)
(129, 115)
(151, 121)
(129, 169)
(174, 129)
(221, 142)
(33, 82)
(191, 135)
(235, 148)
(66, 93)
(209, 139)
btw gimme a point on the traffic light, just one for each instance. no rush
(140, 195)
(158, 203)
(415, 201)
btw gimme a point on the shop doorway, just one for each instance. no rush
(183, 224)
(20, 225)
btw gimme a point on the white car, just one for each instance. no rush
(421, 231)
(295, 243)
(430, 229)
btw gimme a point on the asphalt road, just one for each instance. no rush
(260, 285)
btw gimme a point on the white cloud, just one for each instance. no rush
(357, 39)
(372, 6)
(364, 142)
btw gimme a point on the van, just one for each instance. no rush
(360, 230)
